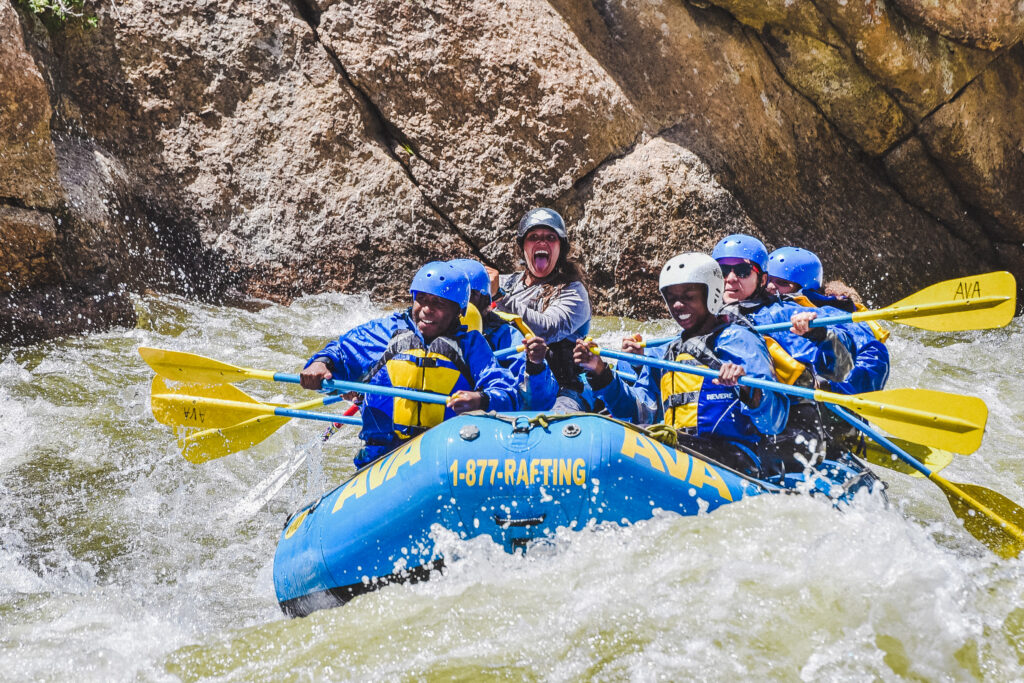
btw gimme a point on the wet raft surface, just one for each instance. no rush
(122, 561)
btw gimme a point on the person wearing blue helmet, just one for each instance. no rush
(550, 295)
(796, 275)
(744, 262)
(821, 354)
(425, 348)
(537, 386)
(792, 270)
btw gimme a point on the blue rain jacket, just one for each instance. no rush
(870, 356)
(831, 358)
(356, 352)
(641, 403)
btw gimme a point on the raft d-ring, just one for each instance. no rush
(570, 430)
(522, 425)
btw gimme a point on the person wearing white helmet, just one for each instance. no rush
(424, 347)
(718, 417)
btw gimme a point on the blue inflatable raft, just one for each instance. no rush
(514, 478)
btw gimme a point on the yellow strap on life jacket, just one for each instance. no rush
(881, 334)
(434, 372)
(678, 384)
(802, 300)
(787, 368)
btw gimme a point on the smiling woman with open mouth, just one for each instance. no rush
(551, 297)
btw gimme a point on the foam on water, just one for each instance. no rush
(120, 560)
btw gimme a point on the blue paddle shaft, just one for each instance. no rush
(772, 327)
(322, 417)
(343, 385)
(880, 439)
(777, 387)
(817, 322)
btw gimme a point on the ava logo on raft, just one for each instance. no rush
(678, 464)
(379, 472)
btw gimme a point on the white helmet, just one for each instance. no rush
(695, 268)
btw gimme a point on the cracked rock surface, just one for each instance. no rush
(229, 150)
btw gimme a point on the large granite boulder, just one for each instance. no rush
(658, 200)
(978, 140)
(277, 148)
(501, 104)
(247, 141)
(28, 162)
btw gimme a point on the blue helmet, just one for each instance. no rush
(799, 266)
(444, 280)
(474, 270)
(744, 247)
(547, 218)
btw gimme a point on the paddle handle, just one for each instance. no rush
(344, 385)
(880, 439)
(771, 327)
(658, 341)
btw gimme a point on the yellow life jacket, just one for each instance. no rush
(699, 407)
(437, 367)
(680, 394)
(787, 369)
(472, 319)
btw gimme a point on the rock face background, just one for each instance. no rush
(226, 150)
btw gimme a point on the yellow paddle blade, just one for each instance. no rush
(207, 413)
(934, 418)
(216, 443)
(189, 367)
(933, 458)
(210, 413)
(227, 392)
(977, 302)
(991, 517)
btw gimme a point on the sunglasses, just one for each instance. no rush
(742, 270)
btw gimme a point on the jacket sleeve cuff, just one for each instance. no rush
(321, 359)
(817, 334)
(602, 379)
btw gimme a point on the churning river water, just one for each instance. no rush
(119, 560)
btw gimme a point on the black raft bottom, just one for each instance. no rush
(335, 597)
